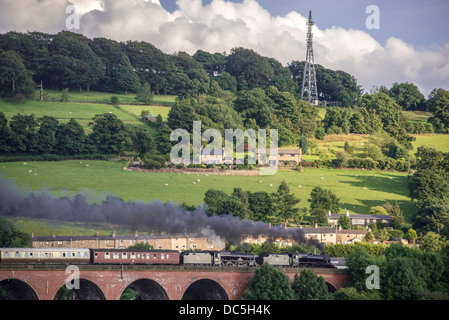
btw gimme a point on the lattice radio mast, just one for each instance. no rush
(309, 81)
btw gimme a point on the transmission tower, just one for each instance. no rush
(309, 80)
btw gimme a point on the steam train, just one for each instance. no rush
(159, 257)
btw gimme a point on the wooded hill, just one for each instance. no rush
(71, 60)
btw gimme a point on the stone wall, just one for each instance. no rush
(211, 171)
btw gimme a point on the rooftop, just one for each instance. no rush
(113, 236)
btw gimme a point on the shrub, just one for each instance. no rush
(151, 164)
(115, 100)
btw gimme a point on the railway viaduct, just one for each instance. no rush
(107, 282)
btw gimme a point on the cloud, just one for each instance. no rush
(221, 25)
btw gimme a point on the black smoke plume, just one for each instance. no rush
(148, 217)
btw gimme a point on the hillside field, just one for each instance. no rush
(358, 190)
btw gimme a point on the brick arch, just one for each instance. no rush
(112, 280)
(141, 285)
(18, 289)
(205, 289)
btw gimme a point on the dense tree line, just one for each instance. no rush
(404, 273)
(71, 60)
(271, 284)
(430, 187)
(279, 206)
(26, 135)
(401, 273)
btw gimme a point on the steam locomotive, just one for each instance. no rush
(159, 257)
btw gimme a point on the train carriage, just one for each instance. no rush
(44, 255)
(134, 256)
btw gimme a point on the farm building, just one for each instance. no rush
(361, 219)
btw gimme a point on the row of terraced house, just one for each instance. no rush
(180, 242)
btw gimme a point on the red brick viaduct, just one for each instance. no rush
(98, 282)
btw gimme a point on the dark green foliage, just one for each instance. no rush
(144, 94)
(23, 134)
(438, 105)
(10, 237)
(182, 115)
(109, 134)
(46, 134)
(119, 73)
(258, 206)
(430, 182)
(405, 273)
(324, 199)
(73, 63)
(284, 202)
(15, 79)
(349, 293)
(357, 261)
(268, 284)
(337, 120)
(407, 95)
(142, 141)
(389, 112)
(70, 138)
(308, 286)
(304, 144)
(255, 69)
(5, 135)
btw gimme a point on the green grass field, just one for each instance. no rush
(154, 110)
(358, 190)
(103, 97)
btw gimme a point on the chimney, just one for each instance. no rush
(53, 235)
(347, 213)
(329, 213)
(136, 234)
(113, 234)
(32, 234)
(316, 225)
(269, 225)
(96, 233)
